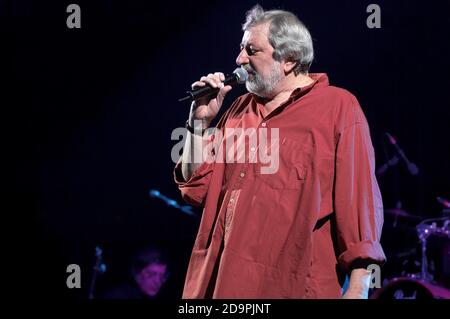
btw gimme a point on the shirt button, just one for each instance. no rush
(252, 149)
(231, 200)
(263, 124)
(242, 174)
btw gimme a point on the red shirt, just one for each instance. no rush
(294, 233)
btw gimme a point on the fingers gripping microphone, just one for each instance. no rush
(239, 76)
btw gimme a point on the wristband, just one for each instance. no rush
(193, 130)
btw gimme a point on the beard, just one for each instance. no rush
(263, 86)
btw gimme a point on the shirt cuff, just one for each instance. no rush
(194, 190)
(200, 171)
(369, 251)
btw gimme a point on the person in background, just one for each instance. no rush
(149, 272)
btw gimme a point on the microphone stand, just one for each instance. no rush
(173, 203)
(389, 163)
(412, 168)
(99, 267)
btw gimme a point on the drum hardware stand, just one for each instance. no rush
(424, 231)
(99, 268)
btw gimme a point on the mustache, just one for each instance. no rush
(248, 68)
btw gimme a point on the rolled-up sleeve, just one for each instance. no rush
(195, 189)
(357, 199)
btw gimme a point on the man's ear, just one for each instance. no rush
(289, 66)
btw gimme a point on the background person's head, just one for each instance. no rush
(150, 270)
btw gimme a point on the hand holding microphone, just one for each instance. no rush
(209, 92)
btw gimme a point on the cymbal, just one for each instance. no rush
(401, 212)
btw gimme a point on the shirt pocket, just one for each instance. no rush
(293, 166)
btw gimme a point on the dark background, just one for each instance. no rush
(90, 113)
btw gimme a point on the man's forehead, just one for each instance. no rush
(257, 34)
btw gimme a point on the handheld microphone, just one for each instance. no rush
(239, 76)
(412, 168)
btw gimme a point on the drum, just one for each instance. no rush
(435, 248)
(410, 288)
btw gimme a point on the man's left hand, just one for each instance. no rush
(358, 287)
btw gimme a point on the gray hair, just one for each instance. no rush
(288, 36)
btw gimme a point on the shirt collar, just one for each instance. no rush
(319, 80)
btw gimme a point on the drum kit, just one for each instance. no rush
(420, 272)
(417, 249)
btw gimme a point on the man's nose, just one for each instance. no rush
(242, 58)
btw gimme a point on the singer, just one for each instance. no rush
(300, 231)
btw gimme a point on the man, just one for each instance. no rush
(297, 230)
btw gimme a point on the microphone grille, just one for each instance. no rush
(241, 75)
